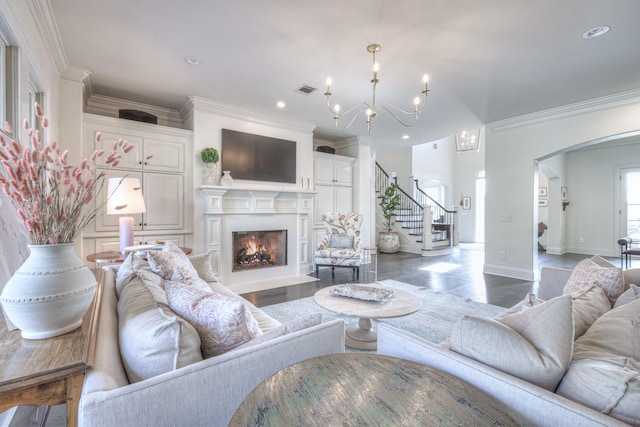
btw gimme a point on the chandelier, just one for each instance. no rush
(468, 140)
(371, 109)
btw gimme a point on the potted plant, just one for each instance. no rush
(50, 293)
(210, 158)
(389, 241)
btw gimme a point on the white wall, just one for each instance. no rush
(397, 160)
(511, 149)
(593, 184)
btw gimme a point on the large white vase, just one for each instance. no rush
(50, 293)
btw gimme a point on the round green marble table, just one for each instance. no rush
(359, 389)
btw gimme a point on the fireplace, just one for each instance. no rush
(259, 249)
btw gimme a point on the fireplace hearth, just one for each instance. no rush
(259, 249)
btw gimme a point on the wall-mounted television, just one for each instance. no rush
(258, 158)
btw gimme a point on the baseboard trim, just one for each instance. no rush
(515, 273)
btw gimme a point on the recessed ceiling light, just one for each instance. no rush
(192, 60)
(281, 104)
(405, 136)
(596, 32)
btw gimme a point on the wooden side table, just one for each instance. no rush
(48, 371)
(367, 389)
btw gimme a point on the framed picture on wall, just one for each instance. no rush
(542, 192)
(564, 196)
(466, 203)
(543, 203)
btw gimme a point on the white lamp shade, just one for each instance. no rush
(125, 197)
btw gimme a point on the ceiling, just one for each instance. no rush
(487, 60)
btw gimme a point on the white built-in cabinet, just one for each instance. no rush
(333, 180)
(161, 160)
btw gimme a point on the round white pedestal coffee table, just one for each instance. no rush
(361, 335)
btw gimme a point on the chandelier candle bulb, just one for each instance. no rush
(328, 86)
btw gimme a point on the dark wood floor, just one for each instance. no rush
(459, 273)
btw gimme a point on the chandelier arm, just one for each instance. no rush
(342, 113)
(397, 119)
(352, 119)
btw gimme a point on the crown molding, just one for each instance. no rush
(578, 108)
(46, 24)
(235, 112)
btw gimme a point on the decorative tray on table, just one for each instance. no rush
(362, 292)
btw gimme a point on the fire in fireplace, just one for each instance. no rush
(258, 249)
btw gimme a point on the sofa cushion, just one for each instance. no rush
(605, 371)
(294, 325)
(535, 344)
(153, 340)
(223, 323)
(171, 263)
(588, 272)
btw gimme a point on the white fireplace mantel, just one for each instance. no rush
(229, 209)
(229, 200)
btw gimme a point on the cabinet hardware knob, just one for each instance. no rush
(140, 162)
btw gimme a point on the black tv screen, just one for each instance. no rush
(258, 158)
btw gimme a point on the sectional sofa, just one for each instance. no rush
(595, 383)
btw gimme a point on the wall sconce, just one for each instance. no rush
(564, 196)
(125, 198)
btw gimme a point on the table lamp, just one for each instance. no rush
(125, 198)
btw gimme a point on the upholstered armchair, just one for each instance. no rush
(341, 246)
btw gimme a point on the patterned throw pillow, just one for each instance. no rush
(587, 273)
(222, 322)
(171, 263)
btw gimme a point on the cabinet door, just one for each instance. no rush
(164, 199)
(343, 174)
(106, 222)
(167, 156)
(131, 160)
(343, 197)
(323, 172)
(324, 201)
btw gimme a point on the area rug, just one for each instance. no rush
(433, 322)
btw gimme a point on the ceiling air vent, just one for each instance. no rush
(306, 89)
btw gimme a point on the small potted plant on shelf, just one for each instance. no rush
(389, 241)
(210, 158)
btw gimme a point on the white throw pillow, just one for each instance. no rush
(588, 305)
(126, 270)
(223, 323)
(535, 344)
(202, 264)
(153, 340)
(631, 294)
(530, 300)
(605, 371)
(588, 272)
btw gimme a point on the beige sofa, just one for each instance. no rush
(528, 404)
(202, 393)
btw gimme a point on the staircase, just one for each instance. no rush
(440, 233)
